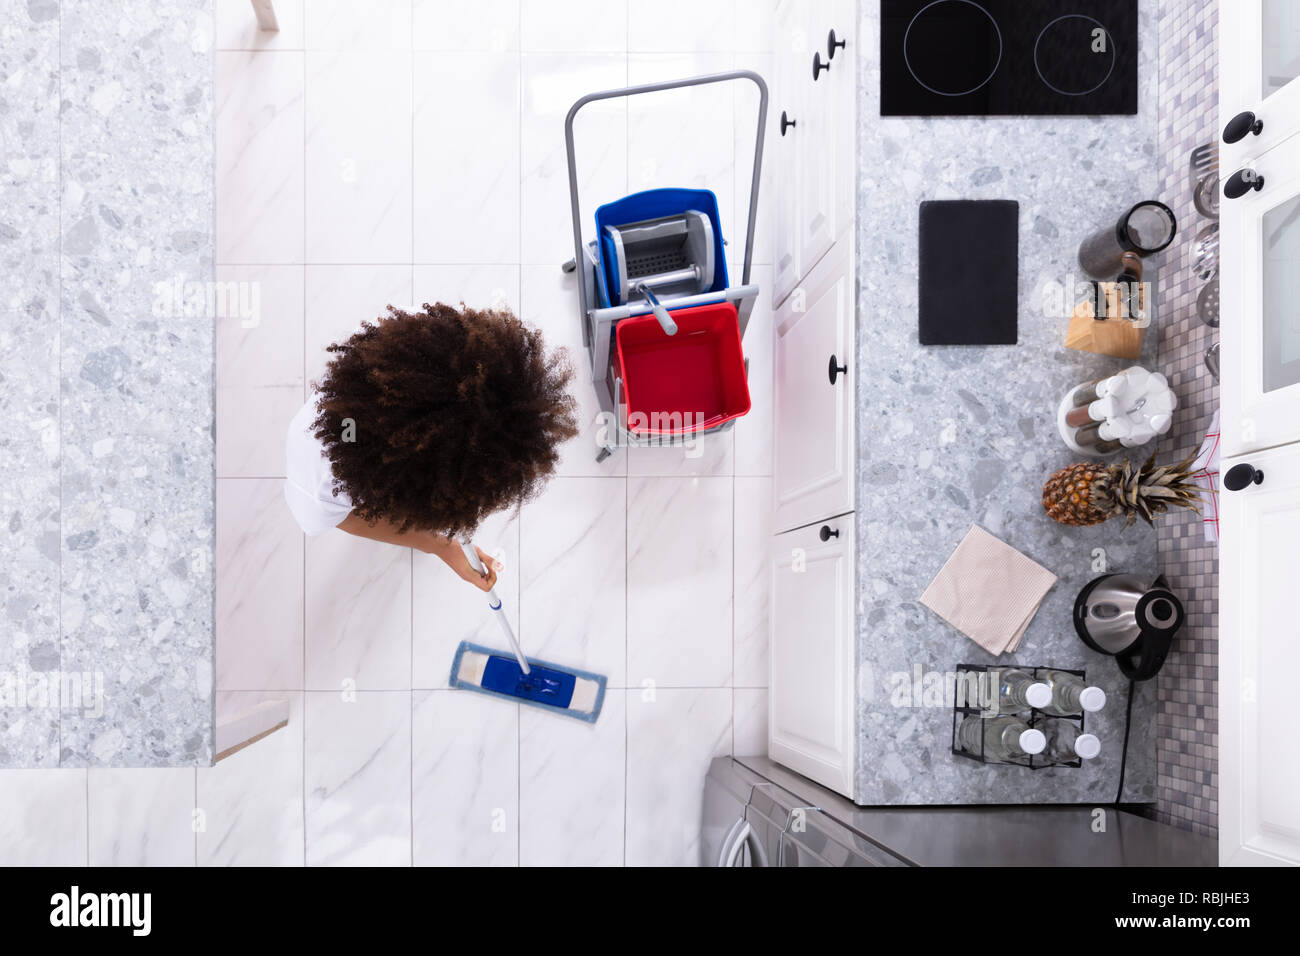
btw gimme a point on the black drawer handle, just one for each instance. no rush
(1242, 182)
(1240, 477)
(1241, 126)
(833, 43)
(826, 533)
(786, 122)
(819, 66)
(834, 369)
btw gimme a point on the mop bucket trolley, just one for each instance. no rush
(661, 324)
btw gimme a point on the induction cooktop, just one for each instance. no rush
(1008, 57)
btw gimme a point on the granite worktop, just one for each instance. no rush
(106, 507)
(954, 436)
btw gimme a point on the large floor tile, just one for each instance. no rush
(753, 540)
(574, 25)
(447, 609)
(684, 138)
(572, 787)
(572, 578)
(259, 587)
(483, 286)
(700, 455)
(42, 817)
(549, 300)
(679, 579)
(358, 164)
(259, 157)
(675, 26)
(753, 432)
(252, 801)
(237, 27)
(467, 158)
(340, 298)
(466, 25)
(465, 784)
(251, 425)
(260, 328)
(671, 737)
(358, 613)
(552, 82)
(348, 25)
(358, 779)
(141, 817)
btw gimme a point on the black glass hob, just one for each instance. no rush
(1008, 57)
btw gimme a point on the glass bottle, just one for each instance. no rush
(1065, 743)
(1005, 737)
(1019, 690)
(1071, 696)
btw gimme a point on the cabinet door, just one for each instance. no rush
(1259, 70)
(817, 213)
(789, 46)
(1259, 658)
(843, 120)
(811, 726)
(1260, 306)
(813, 440)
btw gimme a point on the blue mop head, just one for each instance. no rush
(571, 693)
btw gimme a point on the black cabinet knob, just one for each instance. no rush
(1242, 182)
(826, 533)
(834, 370)
(833, 43)
(786, 122)
(819, 66)
(1240, 477)
(1242, 125)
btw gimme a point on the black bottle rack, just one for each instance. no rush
(1031, 716)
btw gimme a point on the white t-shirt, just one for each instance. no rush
(308, 483)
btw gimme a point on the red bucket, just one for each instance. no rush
(684, 383)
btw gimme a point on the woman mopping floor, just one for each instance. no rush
(423, 425)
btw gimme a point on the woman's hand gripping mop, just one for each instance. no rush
(568, 692)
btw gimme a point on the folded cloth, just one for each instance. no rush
(1207, 476)
(989, 591)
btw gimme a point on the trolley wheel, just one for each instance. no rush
(569, 266)
(603, 454)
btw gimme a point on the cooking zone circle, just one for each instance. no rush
(929, 49)
(1074, 55)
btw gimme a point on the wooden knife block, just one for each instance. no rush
(1119, 335)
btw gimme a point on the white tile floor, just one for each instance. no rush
(402, 151)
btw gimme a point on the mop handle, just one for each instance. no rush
(495, 603)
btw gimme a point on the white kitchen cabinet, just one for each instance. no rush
(1259, 284)
(813, 411)
(1259, 71)
(815, 149)
(812, 683)
(1259, 658)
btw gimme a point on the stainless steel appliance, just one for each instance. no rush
(757, 813)
(1129, 618)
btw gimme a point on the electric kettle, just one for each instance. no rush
(1133, 621)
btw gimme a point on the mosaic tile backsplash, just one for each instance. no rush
(1187, 741)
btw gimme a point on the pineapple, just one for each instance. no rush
(1090, 492)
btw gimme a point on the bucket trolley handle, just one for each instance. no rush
(728, 76)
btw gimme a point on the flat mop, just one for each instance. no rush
(570, 693)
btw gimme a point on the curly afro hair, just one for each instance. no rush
(434, 420)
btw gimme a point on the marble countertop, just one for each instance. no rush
(106, 383)
(954, 436)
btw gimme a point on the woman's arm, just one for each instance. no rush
(448, 549)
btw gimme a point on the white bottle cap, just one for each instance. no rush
(1038, 695)
(1092, 699)
(1032, 741)
(1087, 746)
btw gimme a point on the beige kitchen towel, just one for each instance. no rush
(989, 591)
